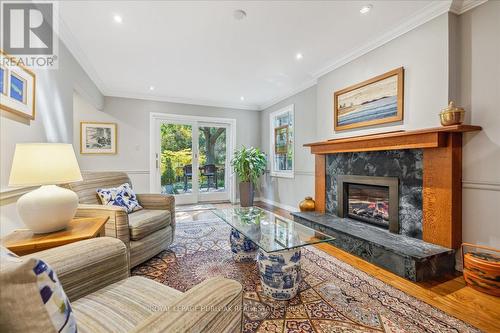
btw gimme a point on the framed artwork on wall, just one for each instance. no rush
(281, 139)
(375, 101)
(98, 138)
(17, 87)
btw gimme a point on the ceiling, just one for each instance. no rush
(197, 52)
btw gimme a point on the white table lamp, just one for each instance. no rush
(50, 207)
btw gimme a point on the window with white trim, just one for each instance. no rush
(281, 150)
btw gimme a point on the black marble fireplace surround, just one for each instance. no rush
(403, 253)
(403, 164)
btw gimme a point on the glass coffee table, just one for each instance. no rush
(275, 243)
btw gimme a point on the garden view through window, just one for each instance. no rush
(282, 142)
(176, 160)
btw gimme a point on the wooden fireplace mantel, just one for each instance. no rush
(442, 174)
(425, 138)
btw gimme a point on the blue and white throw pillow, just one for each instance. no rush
(122, 196)
(48, 304)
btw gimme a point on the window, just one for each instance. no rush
(282, 142)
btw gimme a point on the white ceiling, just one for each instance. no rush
(196, 52)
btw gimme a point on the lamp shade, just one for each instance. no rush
(44, 164)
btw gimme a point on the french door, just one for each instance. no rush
(191, 158)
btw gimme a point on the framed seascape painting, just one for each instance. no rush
(281, 139)
(98, 138)
(375, 101)
(17, 87)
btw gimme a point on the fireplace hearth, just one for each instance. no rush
(373, 200)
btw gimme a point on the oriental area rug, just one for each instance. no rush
(333, 296)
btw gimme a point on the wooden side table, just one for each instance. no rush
(24, 241)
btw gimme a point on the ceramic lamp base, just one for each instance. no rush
(47, 209)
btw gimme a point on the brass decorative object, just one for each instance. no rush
(307, 205)
(452, 115)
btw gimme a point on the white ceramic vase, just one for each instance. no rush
(47, 209)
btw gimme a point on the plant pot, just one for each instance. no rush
(169, 188)
(246, 194)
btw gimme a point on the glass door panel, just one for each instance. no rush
(176, 161)
(190, 159)
(212, 161)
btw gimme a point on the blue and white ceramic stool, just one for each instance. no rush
(243, 248)
(280, 273)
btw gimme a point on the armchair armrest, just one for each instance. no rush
(86, 266)
(158, 201)
(212, 306)
(117, 225)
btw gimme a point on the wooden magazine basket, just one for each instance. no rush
(482, 268)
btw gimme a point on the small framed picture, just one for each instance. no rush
(98, 138)
(281, 139)
(17, 87)
(3, 81)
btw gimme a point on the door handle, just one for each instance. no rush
(157, 161)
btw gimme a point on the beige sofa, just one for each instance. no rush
(145, 232)
(95, 276)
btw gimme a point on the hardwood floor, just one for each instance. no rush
(449, 294)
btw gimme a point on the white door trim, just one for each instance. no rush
(154, 121)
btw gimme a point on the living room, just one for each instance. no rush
(292, 166)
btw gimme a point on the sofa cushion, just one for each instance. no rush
(120, 307)
(147, 221)
(32, 298)
(121, 196)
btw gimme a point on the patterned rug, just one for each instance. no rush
(333, 296)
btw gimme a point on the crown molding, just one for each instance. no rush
(69, 40)
(461, 6)
(302, 87)
(426, 14)
(423, 16)
(181, 100)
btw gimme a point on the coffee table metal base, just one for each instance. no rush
(280, 273)
(243, 249)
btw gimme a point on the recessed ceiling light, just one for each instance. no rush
(299, 56)
(239, 14)
(242, 98)
(366, 9)
(151, 88)
(118, 19)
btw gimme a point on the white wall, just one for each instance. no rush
(423, 52)
(133, 116)
(432, 69)
(290, 191)
(53, 121)
(479, 47)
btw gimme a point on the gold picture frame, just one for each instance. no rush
(378, 100)
(18, 87)
(98, 138)
(281, 139)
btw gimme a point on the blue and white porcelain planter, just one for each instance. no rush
(243, 248)
(280, 273)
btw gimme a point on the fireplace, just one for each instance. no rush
(373, 200)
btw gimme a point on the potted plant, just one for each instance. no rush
(249, 164)
(168, 177)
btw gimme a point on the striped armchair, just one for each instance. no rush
(146, 232)
(94, 274)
